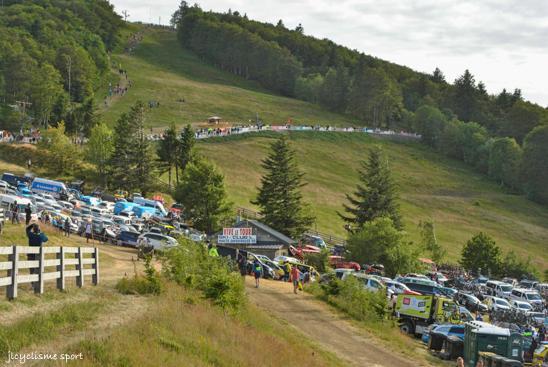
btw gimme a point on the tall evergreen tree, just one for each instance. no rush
(167, 150)
(375, 195)
(120, 160)
(203, 195)
(184, 150)
(279, 197)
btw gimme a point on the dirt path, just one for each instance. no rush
(322, 325)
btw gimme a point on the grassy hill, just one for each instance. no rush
(162, 70)
(459, 201)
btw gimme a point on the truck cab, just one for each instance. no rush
(415, 313)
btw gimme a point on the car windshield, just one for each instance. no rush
(533, 296)
(524, 306)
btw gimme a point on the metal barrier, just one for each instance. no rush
(38, 265)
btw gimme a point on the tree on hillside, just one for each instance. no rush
(430, 242)
(437, 76)
(505, 156)
(203, 195)
(481, 253)
(167, 151)
(143, 158)
(535, 164)
(279, 198)
(429, 123)
(185, 150)
(132, 162)
(520, 119)
(61, 155)
(120, 162)
(379, 241)
(465, 101)
(375, 195)
(99, 149)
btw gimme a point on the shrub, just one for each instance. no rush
(320, 261)
(148, 284)
(190, 265)
(350, 297)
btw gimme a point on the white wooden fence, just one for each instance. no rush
(69, 262)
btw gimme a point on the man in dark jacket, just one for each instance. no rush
(36, 239)
(28, 214)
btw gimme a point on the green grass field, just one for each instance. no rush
(459, 201)
(162, 70)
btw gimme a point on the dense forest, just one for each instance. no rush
(500, 135)
(54, 54)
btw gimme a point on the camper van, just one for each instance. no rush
(151, 204)
(56, 189)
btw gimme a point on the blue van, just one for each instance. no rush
(11, 179)
(143, 211)
(127, 238)
(121, 206)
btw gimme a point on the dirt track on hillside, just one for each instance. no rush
(317, 321)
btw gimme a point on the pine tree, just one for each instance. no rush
(167, 150)
(120, 161)
(375, 195)
(279, 196)
(185, 150)
(142, 152)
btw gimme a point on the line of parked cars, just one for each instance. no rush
(142, 223)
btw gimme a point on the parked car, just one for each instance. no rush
(527, 284)
(497, 303)
(445, 329)
(471, 302)
(499, 289)
(156, 241)
(521, 306)
(337, 262)
(127, 238)
(527, 295)
(313, 240)
(371, 284)
(398, 288)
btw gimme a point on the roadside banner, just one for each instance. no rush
(237, 236)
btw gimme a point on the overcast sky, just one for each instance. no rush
(504, 43)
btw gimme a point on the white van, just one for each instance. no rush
(7, 200)
(527, 295)
(500, 289)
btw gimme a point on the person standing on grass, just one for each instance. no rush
(66, 226)
(257, 272)
(15, 213)
(36, 239)
(287, 271)
(88, 230)
(242, 264)
(28, 214)
(295, 277)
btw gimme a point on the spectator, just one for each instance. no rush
(67, 227)
(15, 213)
(295, 276)
(88, 230)
(242, 264)
(36, 239)
(28, 214)
(257, 272)
(213, 251)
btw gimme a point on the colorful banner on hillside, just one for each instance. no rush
(237, 236)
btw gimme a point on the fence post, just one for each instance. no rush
(80, 268)
(39, 285)
(95, 277)
(61, 269)
(12, 289)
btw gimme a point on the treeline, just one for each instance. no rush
(460, 119)
(54, 55)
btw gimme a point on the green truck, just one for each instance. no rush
(415, 313)
(484, 337)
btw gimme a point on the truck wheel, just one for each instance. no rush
(407, 328)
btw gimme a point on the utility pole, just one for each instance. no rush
(125, 14)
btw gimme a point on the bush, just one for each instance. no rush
(148, 284)
(190, 265)
(350, 297)
(320, 261)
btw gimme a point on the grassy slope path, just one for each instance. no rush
(162, 70)
(318, 322)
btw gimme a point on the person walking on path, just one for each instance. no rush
(88, 231)
(28, 214)
(287, 271)
(36, 239)
(66, 227)
(295, 277)
(257, 272)
(15, 213)
(242, 264)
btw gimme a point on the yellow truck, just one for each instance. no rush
(416, 312)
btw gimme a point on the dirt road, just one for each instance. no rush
(318, 322)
